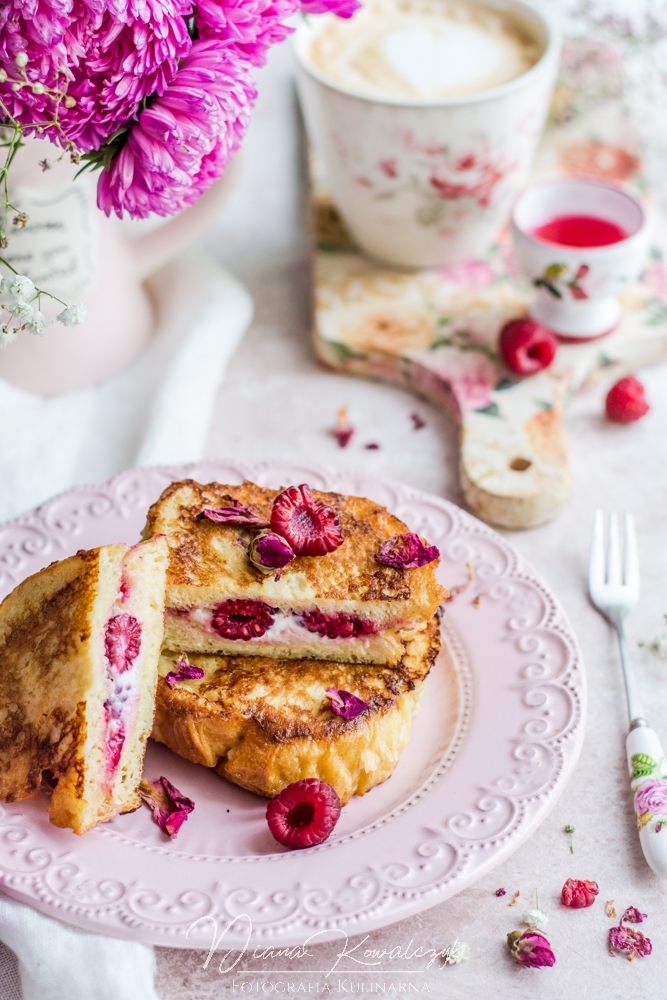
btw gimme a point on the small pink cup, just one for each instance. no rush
(577, 287)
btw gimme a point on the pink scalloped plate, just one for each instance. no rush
(497, 736)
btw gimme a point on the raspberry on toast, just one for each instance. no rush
(340, 603)
(265, 723)
(79, 647)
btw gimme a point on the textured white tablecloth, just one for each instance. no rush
(276, 401)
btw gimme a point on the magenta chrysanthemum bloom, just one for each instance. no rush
(183, 141)
(341, 8)
(129, 56)
(112, 55)
(250, 26)
(177, 108)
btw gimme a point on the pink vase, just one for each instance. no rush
(71, 249)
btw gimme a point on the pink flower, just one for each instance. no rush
(633, 942)
(114, 57)
(633, 916)
(345, 704)
(170, 807)
(183, 141)
(651, 797)
(341, 8)
(578, 893)
(530, 949)
(388, 168)
(251, 27)
(234, 512)
(185, 671)
(407, 551)
(470, 274)
(176, 109)
(655, 279)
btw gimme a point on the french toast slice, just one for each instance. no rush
(79, 648)
(344, 605)
(264, 723)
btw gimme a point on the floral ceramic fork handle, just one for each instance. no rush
(648, 780)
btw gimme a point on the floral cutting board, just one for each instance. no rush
(436, 331)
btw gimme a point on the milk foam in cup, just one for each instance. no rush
(423, 50)
(425, 115)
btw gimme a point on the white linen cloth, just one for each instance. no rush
(59, 962)
(155, 412)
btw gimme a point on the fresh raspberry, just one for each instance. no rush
(304, 814)
(122, 641)
(578, 893)
(626, 401)
(340, 626)
(242, 619)
(526, 346)
(311, 528)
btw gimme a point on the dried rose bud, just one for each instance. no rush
(578, 893)
(234, 513)
(269, 552)
(407, 551)
(530, 949)
(345, 704)
(185, 671)
(170, 807)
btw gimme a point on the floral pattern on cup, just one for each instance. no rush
(555, 281)
(439, 176)
(651, 793)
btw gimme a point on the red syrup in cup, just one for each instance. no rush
(580, 231)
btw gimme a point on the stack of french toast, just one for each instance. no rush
(274, 635)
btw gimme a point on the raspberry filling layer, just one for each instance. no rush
(247, 620)
(122, 644)
(340, 626)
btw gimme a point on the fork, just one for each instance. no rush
(613, 585)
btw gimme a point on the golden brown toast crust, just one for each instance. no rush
(44, 625)
(209, 563)
(264, 723)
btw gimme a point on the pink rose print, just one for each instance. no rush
(469, 274)
(655, 279)
(651, 797)
(388, 168)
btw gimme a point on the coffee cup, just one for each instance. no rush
(426, 175)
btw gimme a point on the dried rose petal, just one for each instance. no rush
(417, 421)
(407, 552)
(634, 943)
(500, 892)
(634, 916)
(343, 429)
(347, 705)
(578, 893)
(234, 512)
(170, 807)
(269, 552)
(185, 671)
(530, 949)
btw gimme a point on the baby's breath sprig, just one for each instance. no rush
(20, 299)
